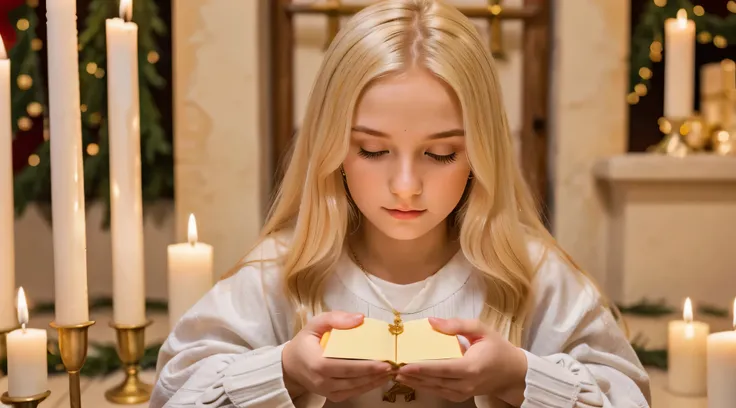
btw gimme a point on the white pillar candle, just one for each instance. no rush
(129, 294)
(686, 352)
(711, 93)
(679, 66)
(27, 369)
(7, 213)
(67, 174)
(190, 273)
(722, 368)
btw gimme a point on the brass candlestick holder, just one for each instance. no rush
(673, 143)
(24, 402)
(73, 350)
(130, 347)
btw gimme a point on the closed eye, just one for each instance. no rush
(448, 158)
(371, 155)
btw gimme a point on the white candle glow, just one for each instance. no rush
(722, 367)
(679, 66)
(67, 174)
(686, 352)
(27, 369)
(129, 304)
(7, 214)
(190, 273)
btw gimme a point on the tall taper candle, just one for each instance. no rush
(679, 66)
(7, 250)
(125, 169)
(67, 174)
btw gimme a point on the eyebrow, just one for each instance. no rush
(440, 135)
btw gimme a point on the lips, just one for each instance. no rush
(405, 214)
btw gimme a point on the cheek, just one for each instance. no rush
(446, 188)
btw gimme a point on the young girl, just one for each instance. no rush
(403, 197)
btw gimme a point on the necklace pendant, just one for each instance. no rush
(399, 389)
(398, 326)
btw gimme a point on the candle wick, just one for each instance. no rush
(23, 327)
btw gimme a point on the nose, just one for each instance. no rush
(406, 182)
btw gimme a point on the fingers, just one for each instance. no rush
(454, 369)
(338, 368)
(344, 394)
(449, 389)
(333, 320)
(464, 327)
(349, 384)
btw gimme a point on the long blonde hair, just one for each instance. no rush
(498, 216)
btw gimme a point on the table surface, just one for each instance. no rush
(93, 389)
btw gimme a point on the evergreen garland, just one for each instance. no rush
(33, 183)
(647, 40)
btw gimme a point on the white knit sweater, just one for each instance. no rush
(226, 351)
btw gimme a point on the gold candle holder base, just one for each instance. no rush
(674, 143)
(130, 347)
(24, 402)
(73, 350)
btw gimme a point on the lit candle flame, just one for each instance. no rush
(192, 230)
(3, 54)
(22, 308)
(687, 312)
(682, 18)
(126, 9)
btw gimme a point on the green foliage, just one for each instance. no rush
(33, 184)
(651, 28)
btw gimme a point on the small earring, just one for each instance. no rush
(470, 176)
(343, 172)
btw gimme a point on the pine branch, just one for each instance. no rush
(647, 308)
(101, 303)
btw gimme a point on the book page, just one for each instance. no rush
(420, 342)
(369, 341)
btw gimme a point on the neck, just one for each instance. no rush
(403, 261)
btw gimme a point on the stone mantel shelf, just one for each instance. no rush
(647, 167)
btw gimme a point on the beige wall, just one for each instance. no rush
(220, 123)
(589, 118)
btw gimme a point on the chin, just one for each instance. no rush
(405, 231)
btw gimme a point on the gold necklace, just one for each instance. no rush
(396, 328)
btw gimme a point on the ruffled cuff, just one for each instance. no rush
(549, 384)
(257, 380)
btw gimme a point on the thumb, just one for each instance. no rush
(334, 320)
(473, 330)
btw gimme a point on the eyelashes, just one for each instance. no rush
(445, 159)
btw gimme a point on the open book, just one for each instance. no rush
(374, 340)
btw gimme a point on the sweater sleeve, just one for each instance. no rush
(578, 357)
(226, 350)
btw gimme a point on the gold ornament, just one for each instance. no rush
(632, 98)
(34, 160)
(645, 73)
(93, 149)
(95, 118)
(698, 10)
(731, 6)
(100, 73)
(36, 44)
(25, 123)
(23, 24)
(704, 37)
(720, 41)
(655, 56)
(660, 3)
(25, 82)
(153, 57)
(83, 108)
(640, 89)
(656, 47)
(34, 109)
(697, 137)
(91, 68)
